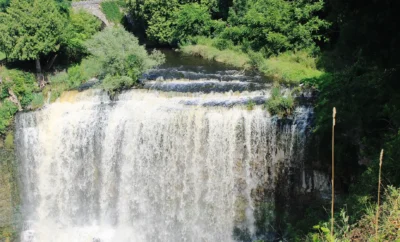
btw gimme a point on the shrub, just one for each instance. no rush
(118, 54)
(75, 76)
(222, 44)
(364, 230)
(59, 83)
(278, 104)
(256, 59)
(217, 27)
(38, 101)
(7, 111)
(23, 84)
(91, 67)
(250, 105)
(114, 84)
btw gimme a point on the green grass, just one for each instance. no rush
(9, 141)
(364, 228)
(112, 12)
(229, 57)
(287, 68)
(211, 49)
(290, 68)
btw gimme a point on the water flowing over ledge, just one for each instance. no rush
(150, 167)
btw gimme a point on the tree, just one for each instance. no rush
(157, 17)
(81, 27)
(121, 57)
(30, 29)
(274, 26)
(191, 20)
(4, 4)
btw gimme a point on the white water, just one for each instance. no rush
(148, 167)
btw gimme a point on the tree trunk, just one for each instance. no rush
(40, 77)
(51, 62)
(38, 66)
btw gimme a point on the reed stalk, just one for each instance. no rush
(379, 194)
(333, 171)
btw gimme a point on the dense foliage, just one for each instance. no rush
(280, 104)
(121, 58)
(45, 29)
(191, 20)
(269, 26)
(81, 26)
(20, 84)
(364, 228)
(4, 4)
(30, 28)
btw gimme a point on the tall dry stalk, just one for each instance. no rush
(333, 171)
(379, 194)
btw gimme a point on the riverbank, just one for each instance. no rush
(289, 68)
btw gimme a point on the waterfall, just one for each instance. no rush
(155, 166)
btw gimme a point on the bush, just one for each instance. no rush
(38, 101)
(58, 84)
(7, 111)
(114, 84)
(250, 105)
(364, 229)
(217, 27)
(222, 44)
(256, 59)
(75, 76)
(278, 104)
(118, 54)
(23, 84)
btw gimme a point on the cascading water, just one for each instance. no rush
(148, 167)
(157, 166)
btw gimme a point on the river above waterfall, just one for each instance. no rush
(170, 162)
